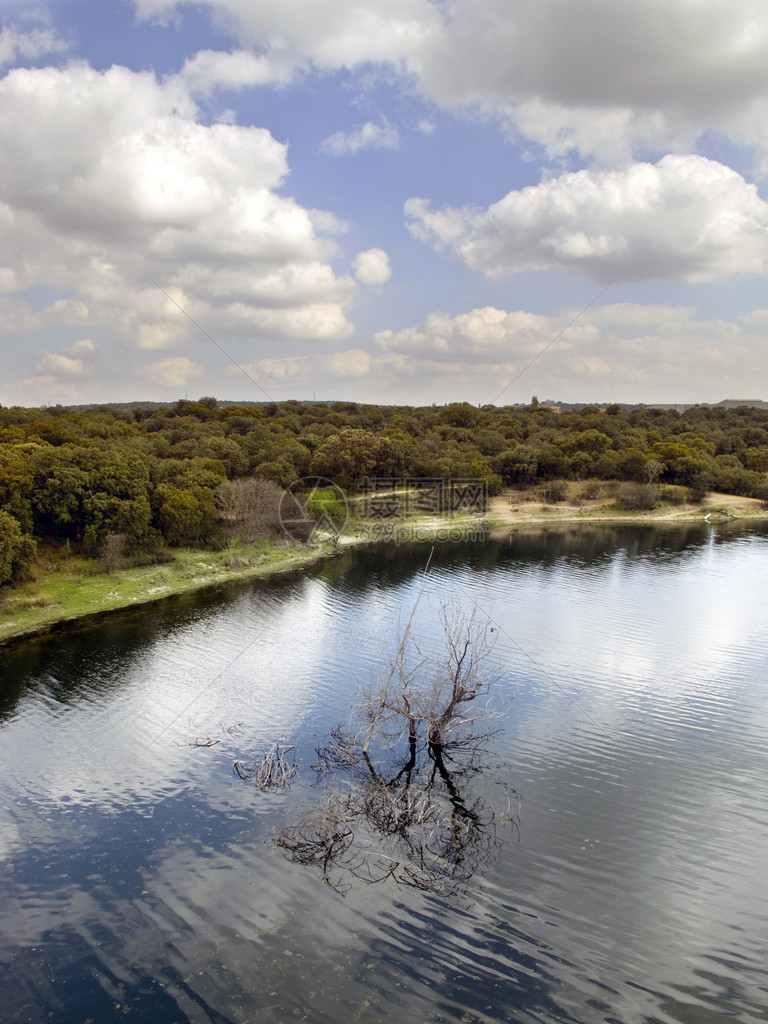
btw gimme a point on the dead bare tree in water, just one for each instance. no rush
(409, 794)
(438, 695)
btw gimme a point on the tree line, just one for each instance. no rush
(165, 474)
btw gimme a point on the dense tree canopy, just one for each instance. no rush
(154, 472)
(16, 550)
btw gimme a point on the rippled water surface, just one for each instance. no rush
(139, 879)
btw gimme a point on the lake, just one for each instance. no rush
(606, 857)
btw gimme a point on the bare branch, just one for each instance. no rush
(273, 772)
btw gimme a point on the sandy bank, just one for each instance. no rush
(77, 589)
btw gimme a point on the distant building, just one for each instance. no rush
(738, 403)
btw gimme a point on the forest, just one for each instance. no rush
(160, 476)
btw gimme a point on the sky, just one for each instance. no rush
(390, 201)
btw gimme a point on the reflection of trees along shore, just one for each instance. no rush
(153, 473)
(423, 809)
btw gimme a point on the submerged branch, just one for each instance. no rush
(273, 772)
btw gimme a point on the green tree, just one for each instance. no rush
(756, 458)
(185, 516)
(101, 489)
(519, 465)
(354, 453)
(17, 550)
(327, 504)
(16, 483)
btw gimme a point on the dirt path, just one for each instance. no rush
(506, 509)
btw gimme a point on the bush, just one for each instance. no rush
(673, 495)
(17, 551)
(637, 497)
(558, 491)
(112, 551)
(327, 503)
(249, 508)
(697, 492)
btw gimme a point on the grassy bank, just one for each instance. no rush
(68, 587)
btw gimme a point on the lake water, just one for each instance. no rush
(140, 880)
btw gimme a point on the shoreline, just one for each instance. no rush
(80, 592)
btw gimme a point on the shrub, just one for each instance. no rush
(673, 495)
(249, 508)
(637, 497)
(112, 551)
(17, 550)
(558, 491)
(327, 503)
(697, 491)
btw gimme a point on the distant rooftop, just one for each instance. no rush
(735, 403)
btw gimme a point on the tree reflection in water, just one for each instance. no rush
(423, 811)
(432, 822)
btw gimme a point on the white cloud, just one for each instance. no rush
(599, 76)
(350, 364)
(8, 280)
(209, 70)
(341, 34)
(684, 218)
(17, 315)
(83, 347)
(488, 333)
(174, 371)
(108, 177)
(372, 267)
(618, 352)
(20, 44)
(756, 316)
(59, 364)
(365, 136)
(621, 352)
(73, 361)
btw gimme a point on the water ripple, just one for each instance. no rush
(139, 874)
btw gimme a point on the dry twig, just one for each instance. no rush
(273, 772)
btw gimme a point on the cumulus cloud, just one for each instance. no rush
(365, 136)
(372, 267)
(110, 179)
(620, 352)
(72, 361)
(209, 70)
(17, 315)
(624, 351)
(756, 316)
(20, 44)
(684, 218)
(174, 371)
(600, 77)
(351, 364)
(8, 280)
(488, 333)
(68, 364)
(58, 363)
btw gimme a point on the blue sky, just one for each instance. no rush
(395, 201)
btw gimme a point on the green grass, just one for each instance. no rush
(68, 587)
